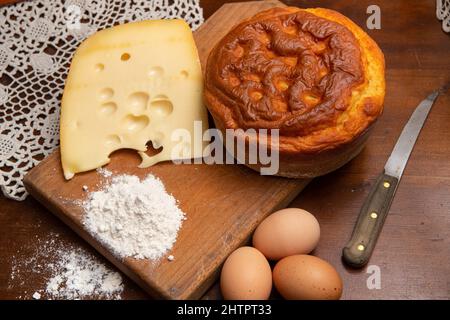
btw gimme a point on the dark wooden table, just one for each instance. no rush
(413, 252)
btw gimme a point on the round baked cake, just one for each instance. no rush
(311, 73)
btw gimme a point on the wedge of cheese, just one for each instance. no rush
(127, 86)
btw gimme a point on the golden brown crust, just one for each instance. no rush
(313, 74)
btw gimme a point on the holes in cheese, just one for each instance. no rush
(138, 102)
(108, 108)
(125, 57)
(135, 123)
(99, 67)
(155, 72)
(161, 105)
(129, 85)
(184, 74)
(113, 140)
(106, 94)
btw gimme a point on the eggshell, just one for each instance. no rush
(246, 275)
(304, 277)
(287, 232)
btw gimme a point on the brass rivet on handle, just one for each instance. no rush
(386, 184)
(374, 215)
(360, 247)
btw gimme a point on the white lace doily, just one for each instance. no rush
(443, 13)
(37, 40)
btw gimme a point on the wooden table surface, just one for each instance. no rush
(413, 252)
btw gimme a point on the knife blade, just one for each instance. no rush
(373, 213)
(400, 154)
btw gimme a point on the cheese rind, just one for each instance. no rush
(129, 85)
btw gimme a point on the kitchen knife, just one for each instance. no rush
(376, 207)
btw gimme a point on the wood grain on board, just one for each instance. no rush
(223, 203)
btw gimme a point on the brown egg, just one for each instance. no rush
(287, 232)
(246, 275)
(304, 277)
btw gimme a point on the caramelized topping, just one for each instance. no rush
(288, 70)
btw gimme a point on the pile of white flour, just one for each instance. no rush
(133, 218)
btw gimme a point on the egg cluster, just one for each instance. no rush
(286, 237)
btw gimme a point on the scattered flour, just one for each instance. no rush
(80, 276)
(133, 218)
(104, 172)
(66, 272)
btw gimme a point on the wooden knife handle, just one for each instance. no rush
(358, 250)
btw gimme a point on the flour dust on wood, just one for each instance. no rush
(63, 271)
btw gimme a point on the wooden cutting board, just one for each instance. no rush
(223, 203)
